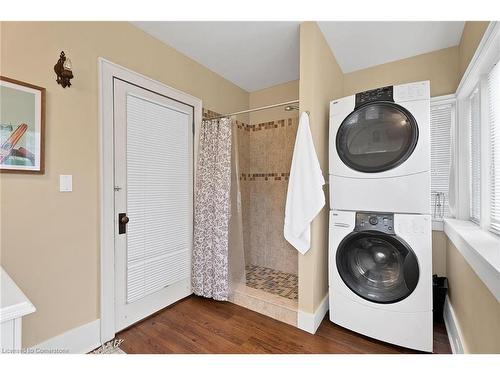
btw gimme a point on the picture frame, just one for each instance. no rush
(22, 127)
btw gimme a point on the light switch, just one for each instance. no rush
(65, 182)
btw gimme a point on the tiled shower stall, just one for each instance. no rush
(264, 153)
(263, 265)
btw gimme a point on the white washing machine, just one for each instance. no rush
(380, 150)
(380, 276)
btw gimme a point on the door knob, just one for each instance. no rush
(122, 223)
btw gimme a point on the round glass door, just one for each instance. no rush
(378, 267)
(377, 137)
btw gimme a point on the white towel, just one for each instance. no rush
(305, 197)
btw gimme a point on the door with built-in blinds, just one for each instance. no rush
(153, 202)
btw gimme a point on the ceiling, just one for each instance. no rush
(360, 45)
(252, 55)
(255, 55)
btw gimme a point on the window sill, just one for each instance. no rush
(479, 248)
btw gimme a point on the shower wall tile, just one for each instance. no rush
(265, 157)
(245, 208)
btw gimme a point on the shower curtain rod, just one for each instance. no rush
(253, 110)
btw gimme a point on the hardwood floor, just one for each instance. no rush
(198, 325)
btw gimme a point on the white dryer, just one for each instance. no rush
(380, 276)
(380, 150)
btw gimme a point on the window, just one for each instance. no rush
(442, 119)
(475, 157)
(475, 201)
(493, 80)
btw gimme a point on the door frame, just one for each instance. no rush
(107, 72)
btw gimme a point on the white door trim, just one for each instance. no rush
(107, 72)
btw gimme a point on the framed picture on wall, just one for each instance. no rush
(22, 118)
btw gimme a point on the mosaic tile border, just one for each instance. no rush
(272, 281)
(256, 127)
(273, 176)
(268, 125)
(208, 113)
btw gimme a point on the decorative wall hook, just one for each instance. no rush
(63, 70)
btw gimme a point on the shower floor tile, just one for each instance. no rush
(273, 281)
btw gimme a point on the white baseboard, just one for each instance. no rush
(79, 340)
(310, 322)
(453, 329)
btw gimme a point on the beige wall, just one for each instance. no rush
(439, 67)
(321, 80)
(272, 95)
(439, 253)
(477, 311)
(444, 68)
(50, 240)
(471, 36)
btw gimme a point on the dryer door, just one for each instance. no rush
(378, 267)
(376, 137)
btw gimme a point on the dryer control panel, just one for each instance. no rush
(380, 94)
(379, 221)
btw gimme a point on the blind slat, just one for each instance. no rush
(475, 156)
(494, 120)
(441, 121)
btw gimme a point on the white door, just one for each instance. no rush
(153, 138)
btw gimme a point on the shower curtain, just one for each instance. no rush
(210, 268)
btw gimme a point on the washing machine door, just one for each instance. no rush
(376, 137)
(378, 267)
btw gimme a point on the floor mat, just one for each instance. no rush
(111, 347)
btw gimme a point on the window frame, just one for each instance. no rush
(477, 244)
(477, 90)
(489, 151)
(475, 77)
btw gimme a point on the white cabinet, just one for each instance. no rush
(13, 306)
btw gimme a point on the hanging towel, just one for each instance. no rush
(305, 197)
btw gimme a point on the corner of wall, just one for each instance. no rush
(310, 322)
(472, 313)
(471, 37)
(321, 80)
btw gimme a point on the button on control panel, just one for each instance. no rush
(378, 221)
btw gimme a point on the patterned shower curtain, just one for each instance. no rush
(210, 276)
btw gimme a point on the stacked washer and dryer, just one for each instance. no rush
(380, 251)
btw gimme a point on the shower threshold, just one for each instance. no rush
(269, 292)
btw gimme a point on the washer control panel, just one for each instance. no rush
(379, 221)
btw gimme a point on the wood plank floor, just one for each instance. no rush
(198, 325)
